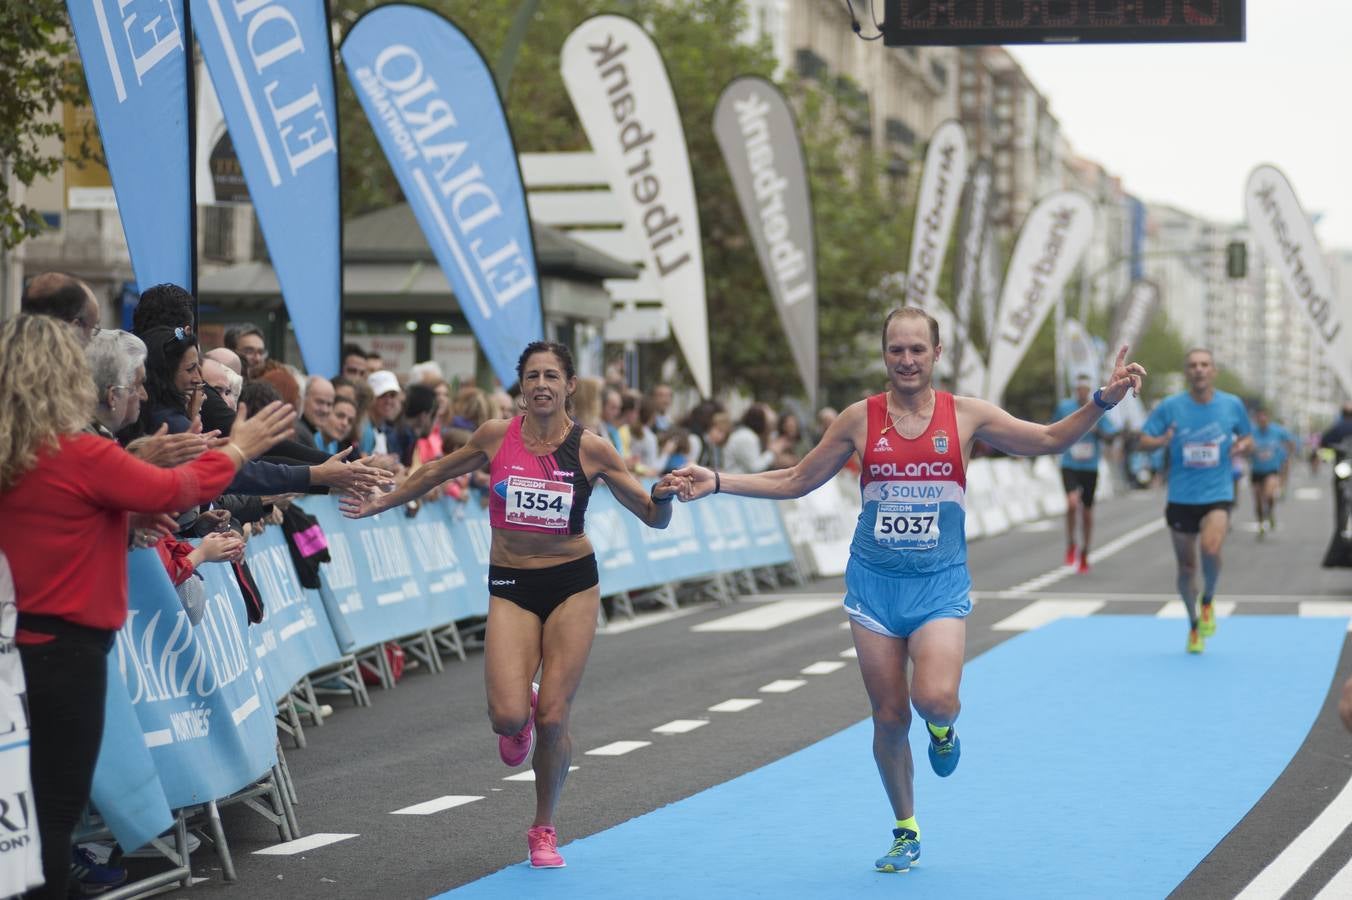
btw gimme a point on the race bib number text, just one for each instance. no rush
(907, 526)
(1202, 455)
(538, 502)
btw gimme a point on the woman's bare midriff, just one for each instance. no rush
(534, 550)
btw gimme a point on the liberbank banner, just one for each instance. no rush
(137, 71)
(1132, 318)
(757, 133)
(1284, 233)
(435, 108)
(1054, 237)
(618, 82)
(271, 62)
(941, 186)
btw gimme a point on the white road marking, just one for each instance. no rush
(1040, 612)
(1175, 610)
(850, 653)
(1340, 888)
(1283, 872)
(1038, 527)
(681, 726)
(1107, 550)
(770, 615)
(822, 668)
(783, 686)
(620, 626)
(1329, 609)
(736, 704)
(1309, 493)
(619, 748)
(1154, 598)
(845, 625)
(440, 804)
(529, 775)
(301, 845)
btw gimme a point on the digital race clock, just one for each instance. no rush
(957, 23)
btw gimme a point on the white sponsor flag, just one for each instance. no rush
(988, 283)
(941, 187)
(1132, 319)
(1054, 237)
(1080, 355)
(618, 83)
(1284, 232)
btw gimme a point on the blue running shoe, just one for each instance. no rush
(89, 877)
(944, 753)
(905, 852)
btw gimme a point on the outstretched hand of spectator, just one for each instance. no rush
(168, 450)
(222, 546)
(253, 435)
(1126, 377)
(359, 476)
(693, 482)
(147, 528)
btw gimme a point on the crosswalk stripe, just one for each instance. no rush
(769, 615)
(1175, 609)
(1040, 612)
(1283, 872)
(429, 807)
(529, 775)
(681, 726)
(737, 704)
(1340, 887)
(619, 748)
(301, 845)
(825, 667)
(850, 653)
(783, 686)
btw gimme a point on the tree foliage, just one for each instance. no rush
(38, 73)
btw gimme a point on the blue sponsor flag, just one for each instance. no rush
(434, 106)
(137, 71)
(272, 66)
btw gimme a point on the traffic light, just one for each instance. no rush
(1237, 259)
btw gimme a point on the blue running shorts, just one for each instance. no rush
(896, 605)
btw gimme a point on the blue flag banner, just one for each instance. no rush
(434, 106)
(127, 792)
(272, 66)
(137, 70)
(294, 638)
(195, 689)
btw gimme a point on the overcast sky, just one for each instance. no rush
(1184, 124)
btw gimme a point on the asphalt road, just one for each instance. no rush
(429, 738)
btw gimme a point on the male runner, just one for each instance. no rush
(1273, 447)
(907, 584)
(1203, 428)
(1079, 474)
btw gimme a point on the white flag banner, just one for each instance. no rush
(1080, 353)
(1132, 319)
(941, 187)
(618, 83)
(1050, 245)
(972, 227)
(1286, 236)
(988, 283)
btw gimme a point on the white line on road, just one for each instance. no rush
(529, 775)
(1040, 612)
(850, 653)
(1154, 598)
(770, 615)
(736, 704)
(823, 668)
(619, 748)
(1283, 872)
(681, 726)
(1334, 610)
(1109, 549)
(1174, 609)
(650, 618)
(1309, 493)
(783, 686)
(440, 804)
(1340, 888)
(301, 845)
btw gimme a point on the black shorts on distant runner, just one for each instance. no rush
(1186, 518)
(1084, 481)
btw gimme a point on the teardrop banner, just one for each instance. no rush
(758, 136)
(1050, 245)
(1283, 231)
(619, 86)
(1080, 354)
(1132, 319)
(272, 67)
(434, 106)
(138, 76)
(936, 207)
(973, 226)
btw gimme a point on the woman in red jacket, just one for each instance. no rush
(65, 499)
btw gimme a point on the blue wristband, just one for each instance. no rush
(1100, 402)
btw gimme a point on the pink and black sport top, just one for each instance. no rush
(544, 494)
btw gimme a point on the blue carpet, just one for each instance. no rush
(1159, 756)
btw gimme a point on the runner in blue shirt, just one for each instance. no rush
(1273, 447)
(1203, 428)
(1079, 474)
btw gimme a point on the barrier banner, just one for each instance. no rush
(195, 689)
(1286, 236)
(757, 133)
(272, 67)
(941, 187)
(138, 76)
(618, 83)
(127, 791)
(295, 637)
(434, 106)
(1050, 245)
(21, 847)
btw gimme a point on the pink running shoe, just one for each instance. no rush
(543, 841)
(517, 748)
